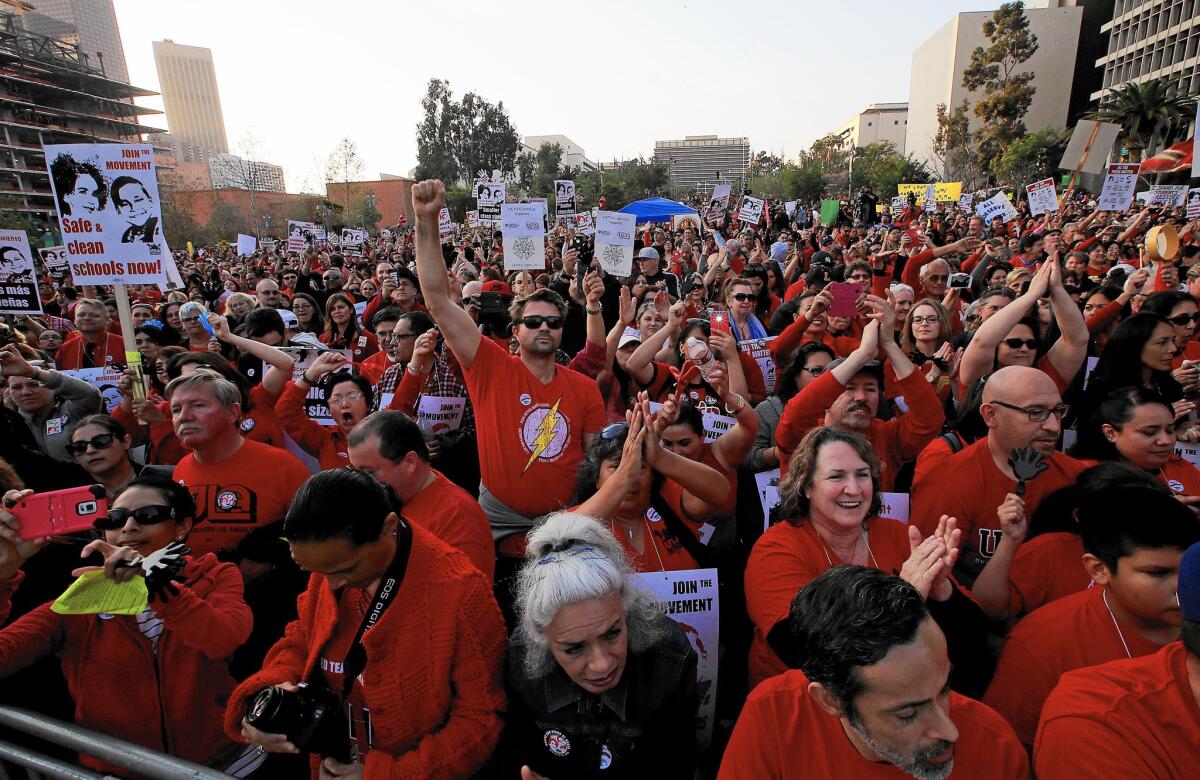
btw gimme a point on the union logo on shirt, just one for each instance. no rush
(225, 503)
(545, 433)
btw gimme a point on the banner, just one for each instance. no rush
(18, 280)
(1042, 197)
(55, 258)
(1119, 184)
(690, 598)
(564, 198)
(524, 236)
(760, 350)
(718, 204)
(1167, 195)
(1196, 132)
(109, 213)
(943, 191)
(996, 206)
(750, 212)
(246, 245)
(301, 236)
(1193, 203)
(614, 242)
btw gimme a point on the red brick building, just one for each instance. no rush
(393, 197)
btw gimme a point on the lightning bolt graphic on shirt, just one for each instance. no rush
(545, 434)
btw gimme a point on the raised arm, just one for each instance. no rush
(429, 198)
(280, 362)
(640, 365)
(1068, 353)
(981, 352)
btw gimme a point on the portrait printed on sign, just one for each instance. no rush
(18, 282)
(113, 187)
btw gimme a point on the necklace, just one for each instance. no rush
(1116, 625)
(862, 534)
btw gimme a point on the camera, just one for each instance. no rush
(312, 719)
(492, 316)
(960, 280)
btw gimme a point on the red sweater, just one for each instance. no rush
(70, 355)
(326, 443)
(433, 676)
(170, 699)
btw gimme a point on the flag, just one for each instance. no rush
(1177, 158)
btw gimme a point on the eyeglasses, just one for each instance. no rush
(937, 277)
(189, 320)
(931, 319)
(613, 430)
(535, 321)
(101, 442)
(816, 370)
(145, 515)
(1018, 343)
(1184, 319)
(348, 398)
(1037, 413)
(398, 336)
(744, 297)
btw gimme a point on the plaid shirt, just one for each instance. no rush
(444, 381)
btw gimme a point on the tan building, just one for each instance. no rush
(879, 122)
(939, 62)
(1150, 39)
(189, 89)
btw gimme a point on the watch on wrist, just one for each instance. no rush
(741, 405)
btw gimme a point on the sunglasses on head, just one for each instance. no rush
(146, 515)
(535, 321)
(101, 442)
(1018, 343)
(613, 430)
(744, 297)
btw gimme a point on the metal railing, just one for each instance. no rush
(118, 752)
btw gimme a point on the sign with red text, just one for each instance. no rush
(109, 212)
(1042, 198)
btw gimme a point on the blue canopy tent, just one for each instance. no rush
(658, 210)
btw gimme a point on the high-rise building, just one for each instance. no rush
(1150, 39)
(228, 171)
(879, 122)
(189, 88)
(90, 23)
(699, 162)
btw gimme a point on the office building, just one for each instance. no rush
(879, 122)
(572, 156)
(1149, 39)
(189, 88)
(92, 24)
(698, 162)
(51, 93)
(939, 62)
(228, 171)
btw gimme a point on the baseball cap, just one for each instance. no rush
(649, 253)
(497, 286)
(826, 240)
(290, 320)
(873, 367)
(307, 340)
(1187, 586)
(400, 272)
(629, 336)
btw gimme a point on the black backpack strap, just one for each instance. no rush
(705, 557)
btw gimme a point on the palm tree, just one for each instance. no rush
(1147, 112)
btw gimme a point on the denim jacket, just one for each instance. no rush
(643, 727)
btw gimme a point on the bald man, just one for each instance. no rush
(1022, 408)
(268, 294)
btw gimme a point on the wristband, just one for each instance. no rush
(741, 405)
(599, 308)
(417, 372)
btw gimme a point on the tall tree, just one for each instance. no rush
(1007, 94)
(435, 153)
(1150, 114)
(1032, 158)
(954, 156)
(458, 140)
(344, 166)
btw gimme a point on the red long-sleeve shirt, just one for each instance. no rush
(325, 443)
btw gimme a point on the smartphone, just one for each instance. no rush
(845, 296)
(960, 280)
(60, 511)
(718, 320)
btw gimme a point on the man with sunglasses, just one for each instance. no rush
(50, 402)
(1022, 409)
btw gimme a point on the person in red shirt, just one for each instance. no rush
(868, 696)
(847, 395)
(1131, 611)
(1134, 718)
(382, 325)
(390, 447)
(91, 346)
(1022, 408)
(348, 397)
(534, 419)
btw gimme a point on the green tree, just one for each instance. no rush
(954, 156)
(1007, 94)
(459, 201)
(482, 138)
(435, 153)
(1150, 114)
(547, 168)
(363, 213)
(881, 166)
(226, 222)
(1032, 158)
(764, 164)
(805, 182)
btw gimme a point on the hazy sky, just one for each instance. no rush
(612, 76)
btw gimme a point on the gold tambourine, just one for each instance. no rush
(1162, 243)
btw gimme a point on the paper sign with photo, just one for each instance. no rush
(750, 212)
(1119, 184)
(1042, 198)
(18, 282)
(524, 236)
(564, 198)
(718, 204)
(445, 224)
(301, 236)
(584, 225)
(55, 258)
(614, 242)
(1193, 203)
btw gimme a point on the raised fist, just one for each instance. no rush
(428, 198)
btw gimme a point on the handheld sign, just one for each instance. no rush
(614, 242)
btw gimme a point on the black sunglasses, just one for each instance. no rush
(146, 515)
(1017, 343)
(101, 442)
(535, 321)
(1184, 319)
(743, 297)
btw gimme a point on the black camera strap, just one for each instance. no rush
(356, 656)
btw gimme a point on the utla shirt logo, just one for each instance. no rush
(545, 433)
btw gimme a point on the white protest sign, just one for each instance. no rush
(445, 224)
(789, 207)
(1119, 183)
(715, 425)
(438, 414)
(690, 598)
(564, 198)
(301, 236)
(930, 199)
(268, 244)
(319, 234)
(614, 242)
(1193, 203)
(1042, 198)
(1189, 452)
(106, 380)
(353, 239)
(1196, 132)
(760, 350)
(768, 493)
(246, 245)
(109, 213)
(717, 204)
(489, 196)
(524, 236)
(965, 200)
(584, 224)
(55, 258)
(1167, 194)
(472, 219)
(18, 281)
(996, 206)
(898, 204)
(750, 212)
(894, 506)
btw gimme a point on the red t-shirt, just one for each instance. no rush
(1070, 633)
(785, 559)
(449, 512)
(968, 486)
(784, 734)
(373, 367)
(530, 434)
(1044, 569)
(248, 490)
(1136, 719)
(662, 550)
(76, 352)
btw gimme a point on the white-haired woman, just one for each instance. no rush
(601, 683)
(198, 339)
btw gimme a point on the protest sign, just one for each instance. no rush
(314, 406)
(55, 258)
(489, 196)
(301, 236)
(472, 219)
(246, 245)
(445, 224)
(1189, 452)
(894, 506)
(715, 425)
(1167, 195)
(439, 414)
(1088, 149)
(1193, 203)
(789, 207)
(105, 380)
(1042, 197)
(760, 350)
(614, 242)
(524, 236)
(584, 224)
(319, 234)
(829, 212)
(353, 239)
(898, 204)
(768, 493)
(108, 210)
(996, 206)
(718, 204)
(1119, 184)
(268, 244)
(18, 281)
(750, 212)
(929, 201)
(964, 202)
(564, 198)
(943, 191)
(690, 598)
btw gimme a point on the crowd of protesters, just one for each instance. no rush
(334, 430)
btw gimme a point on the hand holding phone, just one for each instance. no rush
(60, 511)
(718, 321)
(845, 299)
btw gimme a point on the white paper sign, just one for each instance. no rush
(105, 380)
(894, 506)
(965, 200)
(1042, 198)
(353, 239)
(1168, 194)
(314, 406)
(445, 224)
(750, 212)
(109, 212)
(1189, 452)
(439, 414)
(690, 598)
(301, 236)
(898, 204)
(1101, 144)
(717, 204)
(489, 196)
(584, 225)
(1193, 203)
(524, 236)
(760, 350)
(996, 206)
(768, 493)
(472, 219)
(789, 206)
(1119, 183)
(614, 242)
(564, 198)
(55, 258)
(246, 245)
(18, 281)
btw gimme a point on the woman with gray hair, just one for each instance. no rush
(600, 682)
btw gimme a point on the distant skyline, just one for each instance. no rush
(614, 77)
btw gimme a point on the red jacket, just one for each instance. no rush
(326, 443)
(170, 699)
(70, 355)
(433, 676)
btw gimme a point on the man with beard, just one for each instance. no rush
(847, 396)
(868, 695)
